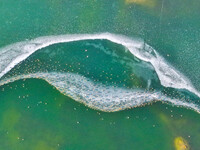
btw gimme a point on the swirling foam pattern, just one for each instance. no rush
(96, 95)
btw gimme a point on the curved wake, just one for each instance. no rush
(103, 97)
(99, 96)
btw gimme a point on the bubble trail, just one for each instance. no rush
(13, 54)
(95, 95)
(99, 96)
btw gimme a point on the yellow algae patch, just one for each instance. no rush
(11, 118)
(47, 140)
(13, 137)
(164, 118)
(43, 146)
(181, 144)
(147, 3)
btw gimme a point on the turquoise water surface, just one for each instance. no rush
(88, 74)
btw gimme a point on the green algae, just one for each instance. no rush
(74, 126)
(45, 119)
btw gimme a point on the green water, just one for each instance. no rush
(32, 119)
(35, 115)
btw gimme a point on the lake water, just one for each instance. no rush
(88, 74)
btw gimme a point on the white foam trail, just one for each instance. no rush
(99, 96)
(168, 76)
